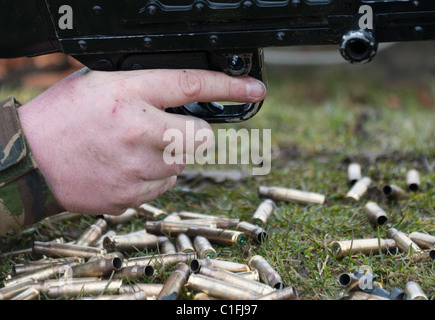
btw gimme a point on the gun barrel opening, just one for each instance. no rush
(358, 46)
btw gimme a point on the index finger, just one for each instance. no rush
(173, 88)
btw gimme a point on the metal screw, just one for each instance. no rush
(83, 45)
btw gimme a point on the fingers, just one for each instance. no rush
(173, 88)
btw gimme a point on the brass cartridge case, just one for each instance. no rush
(404, 243)
(100, 241)
(254, 232)
(56, 249)
(196, 264)
(358, 190)
(165, 245)
(28, 294)
(227, 276)
(215, 222)
(423, 240)
(138, 240)
(139, 295)
(91, 235)
(218, 289)
(31, 266)
(362, 246)
(414, 291)
(151, 212)
(218, 235)
(171, 228)
(287, 293)
(14, 289)
(175, 283)
(354, 173)
(183, 243)
(263, 213)
(287, 194)
(267, 274)
(85, 288)
(172, 217)
(125, 217)
(195, 215)
(393, 192)
(375, 214)
(161, 259)
(43, 286)
(134, 272)
(151, 289)
(361, 295)
(41, 274)
(96, 268)
(252, 275)
(413, 180)
(204, 248)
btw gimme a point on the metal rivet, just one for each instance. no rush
(247, 4)
(199, 7)
(152, 9)
(147, 42)
(214, 39)
(97, 10)
(83, 45)
(280, 36)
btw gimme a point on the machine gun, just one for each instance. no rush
(221, 35)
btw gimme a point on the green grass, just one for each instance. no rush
(321, 119)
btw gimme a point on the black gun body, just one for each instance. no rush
(222, 35)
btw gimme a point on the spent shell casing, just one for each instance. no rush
(414, 291)
(287, 293)
(288, 194)
(161, 259)
(423, 240)
(28, 294)
(85, 288)
(225, 223)
(196, 215)
(196, 264)
(126, 216)
(134, 272)
(91, 235)
(267, 273)
(362, 246)
(96, 268)
(404, 243)
(204, 248)
(393, 192)
(218, 235)
(263, 213)
(138, 240)
(165, 245)
(171, 228)
(361, 295)
(151, 289)
(42, 274)
(57, 249)
(218, 289)
(43, 286)
(358, 190)
(227, 276)
(172, 217)
(175, 283)
(413, 180)
(151, 212)
(254, 232)
(7, 292)
(139, 295)
(375, 214)
(354, 173)
(183, 243)
(39, 264)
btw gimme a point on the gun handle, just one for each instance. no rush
(249, 62)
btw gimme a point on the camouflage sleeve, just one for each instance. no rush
(25, 196)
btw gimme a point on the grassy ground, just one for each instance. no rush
(321, 120)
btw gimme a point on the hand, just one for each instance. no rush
(98, 136)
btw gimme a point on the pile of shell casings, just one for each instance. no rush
(183, 244)
(419, 245)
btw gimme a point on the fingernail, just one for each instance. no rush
(255, 89)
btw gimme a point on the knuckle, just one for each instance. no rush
(190, 84)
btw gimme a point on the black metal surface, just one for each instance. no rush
(222, 35)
